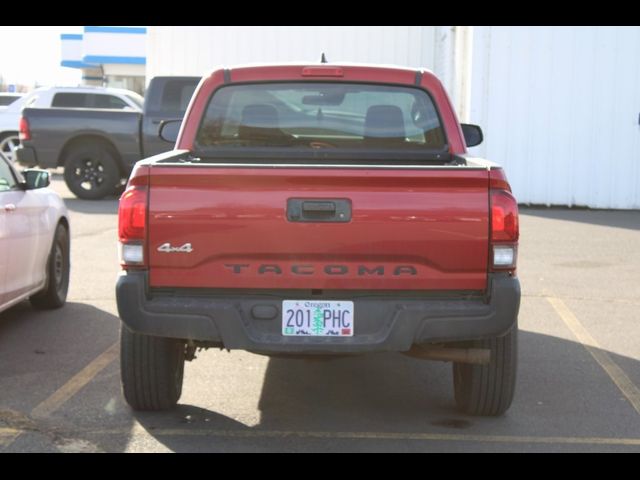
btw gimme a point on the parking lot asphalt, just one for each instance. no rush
(578, 374)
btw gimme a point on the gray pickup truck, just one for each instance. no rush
(98, 147)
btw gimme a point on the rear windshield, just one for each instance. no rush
(176, 95)
(320, 116)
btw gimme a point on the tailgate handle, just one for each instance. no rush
(318, 207)
(319, 210)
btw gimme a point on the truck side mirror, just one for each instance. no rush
(472, 134)
(35, 179)
(169, 130)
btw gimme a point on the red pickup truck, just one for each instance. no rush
(319, 210)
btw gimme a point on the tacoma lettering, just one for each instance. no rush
(361, 270)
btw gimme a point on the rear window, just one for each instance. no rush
(88, 100)
(108, 102)
(321, 116)
(176, 96)
(70, 100)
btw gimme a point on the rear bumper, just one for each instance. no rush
(253, 321)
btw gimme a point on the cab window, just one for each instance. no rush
(322, 116)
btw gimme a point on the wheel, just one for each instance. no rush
(9, 142)
(54, 294)
(488, 389)
(152, 369)
(91, 171)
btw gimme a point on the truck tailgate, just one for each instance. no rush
(409, 229)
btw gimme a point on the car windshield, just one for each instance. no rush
(320, 116)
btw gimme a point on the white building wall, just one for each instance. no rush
(103, 46)
(71, 48)
(124, 70)
(446, 50)
(197, 50)
(560, 110)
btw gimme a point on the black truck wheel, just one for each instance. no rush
(91, 171)
(152, 369)
(54, 294)
(488, 389)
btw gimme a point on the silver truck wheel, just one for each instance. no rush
(9, 142)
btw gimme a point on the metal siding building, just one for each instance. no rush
(196, 50)
(559, 105)
(560, 110)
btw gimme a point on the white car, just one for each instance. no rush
(61, 97)
(34, 240)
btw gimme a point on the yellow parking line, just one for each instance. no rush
(622, 381)
(138, 430)
(442, 437)
(76, 383)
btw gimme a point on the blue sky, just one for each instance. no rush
(30, 54)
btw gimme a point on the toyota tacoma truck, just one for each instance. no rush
(319, 210)
(96, 136)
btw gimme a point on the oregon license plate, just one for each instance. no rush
(317, 318)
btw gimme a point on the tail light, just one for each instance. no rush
(132, 224)
(504, 217)
(504, 230)
(23, 129)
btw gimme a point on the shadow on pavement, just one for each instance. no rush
(108, 205)
(40, 352)
(562, 392)
(629, 219)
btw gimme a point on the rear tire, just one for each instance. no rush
(54, 294)
(91, 171)
(488, 389)
(152, 370)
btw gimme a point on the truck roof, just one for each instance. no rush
(90, 89)
(321, 72)
(275, 71)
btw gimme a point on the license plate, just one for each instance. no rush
(317, 318)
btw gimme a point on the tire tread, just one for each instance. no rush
(488, 389)
(148, 369)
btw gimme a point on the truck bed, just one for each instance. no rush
(53, 128)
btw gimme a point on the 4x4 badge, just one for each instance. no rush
(167, 248)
